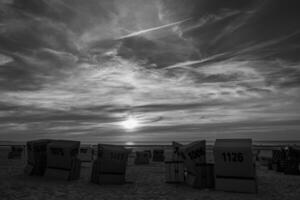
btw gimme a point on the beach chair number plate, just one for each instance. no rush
(196, 154)
(233, 157)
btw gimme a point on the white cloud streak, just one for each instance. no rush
(141, 32)
(5, 59)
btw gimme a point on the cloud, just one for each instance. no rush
(5, 59)
(221, 73)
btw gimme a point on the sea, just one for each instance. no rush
(168, 143)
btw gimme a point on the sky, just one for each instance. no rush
(140, 70)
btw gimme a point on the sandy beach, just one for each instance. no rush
(143, 182)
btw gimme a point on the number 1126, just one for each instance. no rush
(233, 157)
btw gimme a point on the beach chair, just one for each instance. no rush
(194, 154)
(279, 160)
(199, 174)
(158, 155)
(16, 152)
(62, 160)
(204, 178)
(293, 161)
(142, 158)
(110, 165)
(174, 171)
(85, 153)
(265, 158)
(234, 166)
(149, 153)
(174, 165)
(4, 152)
(36, 157)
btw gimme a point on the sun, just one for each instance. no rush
(129, 143)
(130, 123)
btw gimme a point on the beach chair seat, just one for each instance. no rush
(204, 177)
(64, 174)
(292, 168)
(235, 169)
(174, 171)
(102, 175)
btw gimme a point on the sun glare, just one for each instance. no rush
(129, 143)
(130, 124)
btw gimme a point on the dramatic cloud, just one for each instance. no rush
(186, 70)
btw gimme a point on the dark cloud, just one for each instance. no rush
(286, 77)
(158, 51)
(16, 77)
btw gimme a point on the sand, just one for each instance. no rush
(143, 182)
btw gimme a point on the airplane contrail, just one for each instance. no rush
(193, 62)
(152, 29)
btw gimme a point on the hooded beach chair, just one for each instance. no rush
(265, 158)
(293, 161)
(279, 159)
(16, 152)
(235, 166)
(110, 165)
(36, 157)
(174, 165)
(62, 160)
(199, 174)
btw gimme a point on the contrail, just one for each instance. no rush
(193, 62)
(152, 29)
